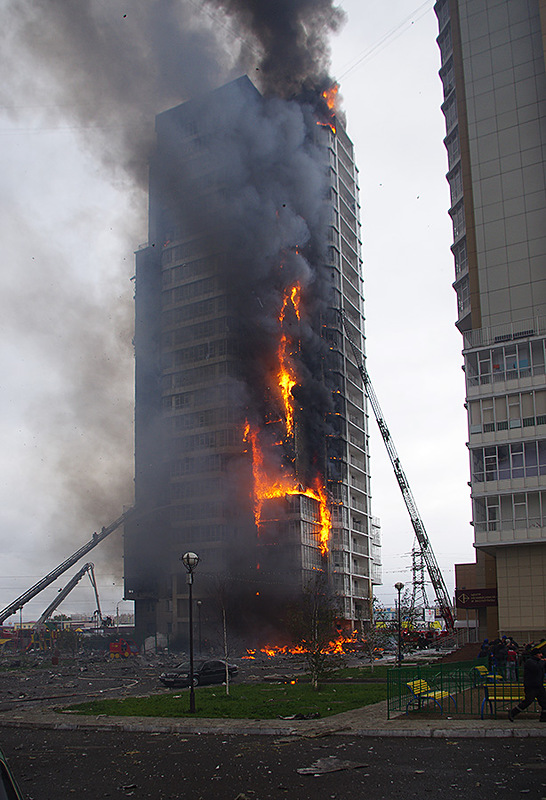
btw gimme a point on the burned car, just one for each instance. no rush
(204, 672)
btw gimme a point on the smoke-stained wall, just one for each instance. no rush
(239, 212)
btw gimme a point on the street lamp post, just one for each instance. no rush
(399, 586)
(199, 623)
(190, 561)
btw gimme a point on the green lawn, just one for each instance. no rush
(365, 672)
(245, 701)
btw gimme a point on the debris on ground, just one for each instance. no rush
(330, 764)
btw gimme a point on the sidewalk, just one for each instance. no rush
(369, 721)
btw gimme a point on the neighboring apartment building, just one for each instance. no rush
(492, 70)
(209, 284)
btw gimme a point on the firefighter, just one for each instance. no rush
(533, 683)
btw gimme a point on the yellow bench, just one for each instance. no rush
(481, 672)
(503, 693)
(421, 691)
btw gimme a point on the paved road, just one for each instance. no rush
(54, 764)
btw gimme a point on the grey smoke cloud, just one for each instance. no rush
(105, 69)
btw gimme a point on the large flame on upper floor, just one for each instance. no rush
(330, 98)
(267, 487)
(268, 482)
(286, 375)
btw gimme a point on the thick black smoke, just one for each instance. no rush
(292, 37)
(105, 69)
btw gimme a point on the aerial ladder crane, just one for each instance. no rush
(438, 583)
(48, 579)
(65, 591)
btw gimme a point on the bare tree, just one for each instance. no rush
(376, 633)
(312, 622)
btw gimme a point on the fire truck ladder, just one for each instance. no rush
(442, 596)
(48, 579)
(65, 591)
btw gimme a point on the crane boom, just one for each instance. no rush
(48, 579)
(65, 591)
(440, 589)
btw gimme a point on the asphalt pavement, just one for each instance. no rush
(96, 763)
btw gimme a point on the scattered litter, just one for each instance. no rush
(330, 764)
(311, 715)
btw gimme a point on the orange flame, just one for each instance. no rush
(267, 488)
(330, 95)
(286, 375)
(334, 647)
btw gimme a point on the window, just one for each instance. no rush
(501, 411)
(458, 219)
(514, 411)
(442, 12)
(502, 363)
(530, 459)
(453, 148)
(447, 75)
(461, 257)
(492, 512)
(450, 112)
(445, 45)
(509, 461)
(477, 465)
(455, 179)
(503, 457)
(463, 296)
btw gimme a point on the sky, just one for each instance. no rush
(71, 220)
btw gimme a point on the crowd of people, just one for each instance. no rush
(507, 659)
(503, 656)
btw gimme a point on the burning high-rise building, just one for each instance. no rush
(251, 423)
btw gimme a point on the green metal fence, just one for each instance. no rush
(458, 689)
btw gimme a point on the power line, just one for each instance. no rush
(389, 37)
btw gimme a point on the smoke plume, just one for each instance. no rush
(104, 70)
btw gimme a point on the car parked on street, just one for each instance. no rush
(8, 784)
(204, 672)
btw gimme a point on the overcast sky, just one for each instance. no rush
(69, 226)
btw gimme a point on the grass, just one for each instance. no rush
(245, 701)
(365, 673)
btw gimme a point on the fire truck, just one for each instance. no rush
(123, 648)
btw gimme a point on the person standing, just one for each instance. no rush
(511, 663)
(533, 684)
(501, 652)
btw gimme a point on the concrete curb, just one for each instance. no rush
(419, 728)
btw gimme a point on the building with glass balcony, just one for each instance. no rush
(494, 82)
